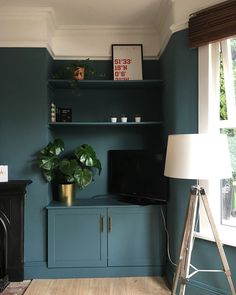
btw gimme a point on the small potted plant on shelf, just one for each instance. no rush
(124, 118)
(67, 172)
(77, 71)
(137, 118)
(80, 68)
(113, 118)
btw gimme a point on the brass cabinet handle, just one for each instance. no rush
(101, 224)
(110, 224)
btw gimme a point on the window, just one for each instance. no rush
(217, 113)
(228, 125)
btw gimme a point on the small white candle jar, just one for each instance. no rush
(123, 119)
(137, 118)
(113, 119)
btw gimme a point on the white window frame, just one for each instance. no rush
(208, 122)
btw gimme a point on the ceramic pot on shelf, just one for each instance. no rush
(124, 119)
(137, 118)
(113, 119)
(79, 73)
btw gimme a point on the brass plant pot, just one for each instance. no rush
(67, 193)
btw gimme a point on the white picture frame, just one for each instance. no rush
(3, 173)
(127, 61)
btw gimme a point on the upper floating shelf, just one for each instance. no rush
(105, 123)
(66, 84)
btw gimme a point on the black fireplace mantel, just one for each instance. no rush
(14, 186)
(12, 195)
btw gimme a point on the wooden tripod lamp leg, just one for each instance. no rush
(218, 242)
(181, 267)
(189, 243)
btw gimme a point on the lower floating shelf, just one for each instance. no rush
(104, 123)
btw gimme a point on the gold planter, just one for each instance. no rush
(67, 193)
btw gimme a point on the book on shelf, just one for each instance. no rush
(64, 115)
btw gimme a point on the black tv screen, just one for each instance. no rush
(137, 176)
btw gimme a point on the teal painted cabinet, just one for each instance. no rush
(77, 237)
(106, 236)
(135, 236)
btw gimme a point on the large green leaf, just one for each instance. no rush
(54, 148)
(97, 164)
(68, 168)
(48, 175)
(48, 163)
(83, 177)
(48, 158)
(57, 147)
(86, 155)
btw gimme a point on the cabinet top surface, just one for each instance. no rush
(92, 202)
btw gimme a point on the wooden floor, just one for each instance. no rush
(101, 286)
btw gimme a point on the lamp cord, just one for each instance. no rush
(168, 238)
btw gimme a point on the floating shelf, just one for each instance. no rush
(104, 123)
(66, 84)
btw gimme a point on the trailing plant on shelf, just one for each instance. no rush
(69, 70)
(78, 70)
(79, 168)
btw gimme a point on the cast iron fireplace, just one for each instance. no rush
(12, 195)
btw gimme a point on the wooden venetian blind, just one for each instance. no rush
(212, 24)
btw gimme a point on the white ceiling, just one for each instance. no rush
(96, 12)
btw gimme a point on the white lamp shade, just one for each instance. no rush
(198, 156)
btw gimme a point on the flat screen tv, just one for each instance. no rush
(137, 176)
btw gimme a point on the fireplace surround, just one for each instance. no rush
(12, 194)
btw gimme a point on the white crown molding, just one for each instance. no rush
(26, 27)
(27, 13)
(22, 44)
(168, 33)
(179, 27)
(74, 41)
(165, 20)
(104, 29)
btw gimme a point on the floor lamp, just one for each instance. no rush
(197, 156)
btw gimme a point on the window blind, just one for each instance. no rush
(212, 24)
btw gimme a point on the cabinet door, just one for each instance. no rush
(77, 237)
(135, 236)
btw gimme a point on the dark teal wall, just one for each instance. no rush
(23, 129)
(179, 70)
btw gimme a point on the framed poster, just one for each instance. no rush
(127, 61)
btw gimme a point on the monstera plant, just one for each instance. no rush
(77, 168)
